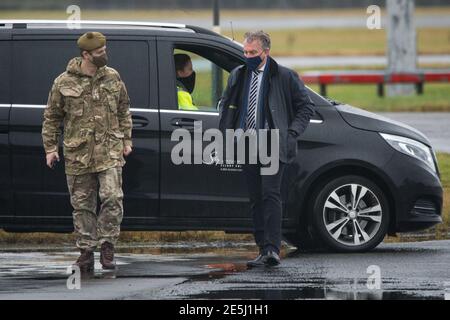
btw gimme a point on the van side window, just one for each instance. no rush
(5, 72)
(196, 81)
(199, 80)
(37, 63)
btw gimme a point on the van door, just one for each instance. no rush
(6, 210)
(41, 194)
(205, 195)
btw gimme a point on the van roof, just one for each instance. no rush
(36, 23)
(107, 24)
(104, 24)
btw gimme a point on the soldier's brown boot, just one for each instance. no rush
(107, 256)
(85, 261)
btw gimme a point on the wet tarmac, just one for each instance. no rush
(218, 271)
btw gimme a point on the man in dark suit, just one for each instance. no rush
(264, 95)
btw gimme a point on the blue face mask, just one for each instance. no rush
(253, 62)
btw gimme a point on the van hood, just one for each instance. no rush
(370, 121)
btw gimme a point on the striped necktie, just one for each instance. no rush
(251, 114)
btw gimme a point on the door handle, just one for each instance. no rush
(139, 122)
(183, 122)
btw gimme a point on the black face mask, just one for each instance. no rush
(188, 82)
(100, 61)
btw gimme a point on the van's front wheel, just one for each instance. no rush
(350, 214)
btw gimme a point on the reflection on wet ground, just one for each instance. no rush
(316, 293)
(219, 271)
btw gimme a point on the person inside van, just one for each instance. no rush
(185, 81)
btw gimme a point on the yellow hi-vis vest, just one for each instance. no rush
(185, 100)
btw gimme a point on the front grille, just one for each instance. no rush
(424, 207)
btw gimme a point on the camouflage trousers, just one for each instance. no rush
(93, 230)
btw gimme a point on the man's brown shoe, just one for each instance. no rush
(85, 261)
(107, 256)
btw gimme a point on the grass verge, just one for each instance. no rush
(66, 239)
(436, 97)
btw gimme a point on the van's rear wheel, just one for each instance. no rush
(350, 214)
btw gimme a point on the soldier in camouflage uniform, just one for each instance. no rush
(92, 102)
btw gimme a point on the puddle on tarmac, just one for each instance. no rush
(316, 293)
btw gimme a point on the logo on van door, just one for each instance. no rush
(215, 160)
(251, 146)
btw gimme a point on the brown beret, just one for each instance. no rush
(91, 41)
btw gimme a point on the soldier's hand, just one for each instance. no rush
(127, 150)
(52, 157)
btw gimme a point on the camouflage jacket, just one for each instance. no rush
(96, 115)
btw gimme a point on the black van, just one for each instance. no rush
(357, 177)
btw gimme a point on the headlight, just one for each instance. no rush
(411, 147)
